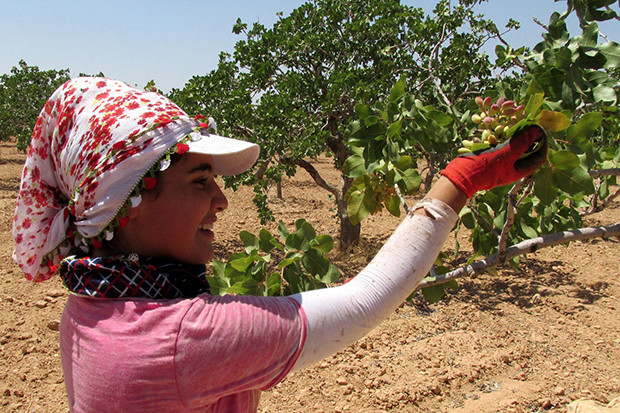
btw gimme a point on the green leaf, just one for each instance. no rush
(534, 104)
(410, 182)
(248, 239)
(574, 181)
(371, 121)
(528, 231)
(300, 240)
(392, 204)
(273, 284)
(517, 126)
(442, 119)
(433, 293)
(604, 93)
(323, 243)
(611, 51)
(467, 218)
(398, 90)
(404, 162)
(563, 58)
(553, 121)
(290, 258)
(586, 126)
(544, 188)
(282, 230)
(218, 267)
(320, 267)
(218, 285)
(245, 287)
(241, 262)
(395, 129)
(563, 160)
(363, 111)
(354, 166)
(266, 241)
(356, 209)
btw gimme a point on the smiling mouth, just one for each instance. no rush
(206, 227)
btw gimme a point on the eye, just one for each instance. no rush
(204, 180)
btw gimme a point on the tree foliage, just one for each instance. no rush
(293, 87)
(568, 83)
(23, 93)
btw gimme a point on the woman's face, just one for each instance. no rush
(175, 219)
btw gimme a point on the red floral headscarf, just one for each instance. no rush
(92, 145)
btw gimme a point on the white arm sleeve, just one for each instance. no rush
(339, 316)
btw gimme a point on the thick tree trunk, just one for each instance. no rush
(349, 233)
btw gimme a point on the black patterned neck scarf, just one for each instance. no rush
(133, 277)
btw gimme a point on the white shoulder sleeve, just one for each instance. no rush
(339, 316)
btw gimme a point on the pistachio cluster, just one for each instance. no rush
(494, 120)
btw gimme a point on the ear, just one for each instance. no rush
(146, 196)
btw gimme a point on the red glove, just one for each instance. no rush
(500, 165)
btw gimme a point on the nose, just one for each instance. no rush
(219, 202)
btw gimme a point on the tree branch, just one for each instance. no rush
(524, 247)
(596, 173)
(511, 210)
(483, 222)
(541, 24)
(316, 176)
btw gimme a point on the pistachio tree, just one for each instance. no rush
(293, 87)
(23, 92)
(567, 84)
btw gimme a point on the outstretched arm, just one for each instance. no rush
(339, 316)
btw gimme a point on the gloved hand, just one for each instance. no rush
(500, 165)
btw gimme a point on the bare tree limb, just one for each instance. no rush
(483, 222)
(541, 24)
(511, 210)
(402, 200)
(524, 247)
(316, 176)
(596, 173)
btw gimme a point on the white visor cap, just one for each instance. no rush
(230, 156)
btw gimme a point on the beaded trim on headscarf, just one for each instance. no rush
(148, 181)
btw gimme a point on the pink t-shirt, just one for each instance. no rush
(206, 354)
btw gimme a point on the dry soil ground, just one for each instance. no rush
(528, 340)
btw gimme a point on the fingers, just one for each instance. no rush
(523, 139)
(534, 160)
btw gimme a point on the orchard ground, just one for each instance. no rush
(527, 340)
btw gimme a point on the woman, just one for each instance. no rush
(118, 198)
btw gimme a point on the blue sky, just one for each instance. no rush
(139, 40)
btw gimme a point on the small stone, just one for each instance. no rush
(559, 391)
(29, 349)
(40, 304)
(545, 403)
(536, 299)
(18, 393)
(7, 392)
(54, 325)
(341, 381)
